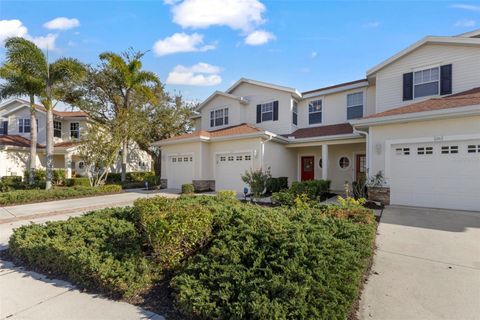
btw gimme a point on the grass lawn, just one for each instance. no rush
(211, 257)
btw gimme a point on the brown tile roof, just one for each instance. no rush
(17, 141)
(330, 130)
(229, 131)
(335, 86)
(462, 99)
(67, 144)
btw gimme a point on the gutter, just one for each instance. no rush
(263, 149)
(368, 152)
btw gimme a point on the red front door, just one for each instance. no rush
(308, 168)
(361, 169)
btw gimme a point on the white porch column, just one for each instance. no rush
(324, 161)
(68, 165)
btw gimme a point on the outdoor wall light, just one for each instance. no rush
(255, 153)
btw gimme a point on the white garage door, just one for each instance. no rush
(436, 175)
(229, 169)
(179, 170)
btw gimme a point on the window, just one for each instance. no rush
(449, 149)
(320, 163)
(23, 125)
(248, 158)
(223, 158)
(424, 150)
(219, 117)
(295, 113)
(185, 159)
(174, 159)
(180, 159)
(267, 111)
(315, 112)
(57, 129)
(344, 162)
(4, 127)
(230, 158)
(354, 105)
(191, 159)
(426, 82)
(81, 165)
(473, 148)
(402, 151)
(75, 130)
(239, 158)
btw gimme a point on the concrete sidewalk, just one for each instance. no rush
(29, 295)
(426, 266)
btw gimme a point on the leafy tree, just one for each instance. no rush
(55, 80)
(115, 91)
(168, 117)
(18, 84)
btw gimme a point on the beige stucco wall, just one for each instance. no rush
(465, 64)
(334, 107)
(379, 135)
(192, 148)
(236, 112)
(281, 161)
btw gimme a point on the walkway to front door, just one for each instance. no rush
(308, 168)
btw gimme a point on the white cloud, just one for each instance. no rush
(15, 28)
(243, 15)
(468, 7)
(259, 37)
(200, 74)
(62, 23)
(11, 28)
(314, 54)
(372, 24)
(181, 42)
(465, 23)
(170, 2)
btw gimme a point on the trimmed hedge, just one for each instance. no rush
(277, 264)
(136, 176)
(188, 188)
(100, 251)
(27, 196)
(277, 184)
(84, 182)
(59, 176)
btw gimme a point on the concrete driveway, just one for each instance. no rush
(426, 266)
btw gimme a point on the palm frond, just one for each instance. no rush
(26, 56)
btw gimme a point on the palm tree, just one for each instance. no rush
(129, 82)
(18, 84)
(55, 81)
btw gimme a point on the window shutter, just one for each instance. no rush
(259, 113)
(446, 79)
(5, 127)
(407, 86)
(275, 110)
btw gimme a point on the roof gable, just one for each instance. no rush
(222, 94)
(420, 43)
(264, 84)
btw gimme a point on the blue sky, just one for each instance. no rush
(199, 46)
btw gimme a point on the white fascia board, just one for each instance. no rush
(428, 39)
(265, 84)
(180, 141)
(419, 116)
(325, 138)
(223, 94)
(337, 89)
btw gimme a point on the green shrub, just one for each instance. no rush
(227, 195)
(59, 176)
(277, 263)
(26, 196)
(175, 228)
(284, 198)
(277, 184)
(312, 188)
(140, 176)
(100, 251)
(85, 182)
(257, 180)
(188, 188)
(113, 177)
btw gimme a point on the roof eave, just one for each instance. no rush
(321, 92)
(418, 116)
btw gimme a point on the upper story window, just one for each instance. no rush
(354, 105)
(315, 112)
(219, 117)
(426, 82)
(3, 127)
(295, 113)
(267, 111)
(57, 129)
(75, 130)
(24, 125)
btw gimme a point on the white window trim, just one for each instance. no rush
(218, 109)
(421, 69)
(23, 125)
(363, 103)
(61, 128)
(272, 102)
(294, 104)
(321, 111)
(70, 130)
(349, 162)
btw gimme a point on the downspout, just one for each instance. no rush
(263, 151)
(368, 151)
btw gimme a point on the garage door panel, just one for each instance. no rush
(179, 170)
(447, 177)
(229, 168)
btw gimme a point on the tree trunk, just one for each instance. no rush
(33, 142)
(157, 163)
(49, 147)
(124, 160)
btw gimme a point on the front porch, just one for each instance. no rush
(338, 161)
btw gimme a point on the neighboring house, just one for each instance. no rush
(69, 128)
(415, 117)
